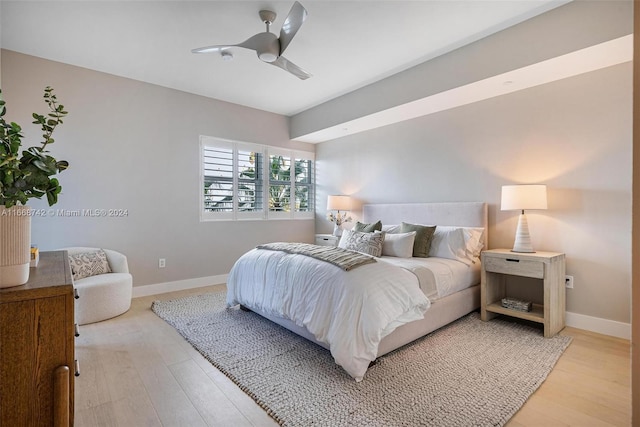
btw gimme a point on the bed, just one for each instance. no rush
(336, 309)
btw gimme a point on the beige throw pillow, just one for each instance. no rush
(87, 264)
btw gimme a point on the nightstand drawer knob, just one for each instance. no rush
(513, 260)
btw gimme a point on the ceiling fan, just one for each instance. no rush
(269, 47)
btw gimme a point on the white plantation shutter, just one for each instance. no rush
(304, 184)
(250, 189)
(279, 183)
(217, 173)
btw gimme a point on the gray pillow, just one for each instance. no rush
(424, 236)
(366, 243)
(367, 228)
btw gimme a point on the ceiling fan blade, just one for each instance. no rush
(291, 25)
(251, 43)
(289, 66)
(211, 49)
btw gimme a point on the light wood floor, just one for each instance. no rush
(136, 370)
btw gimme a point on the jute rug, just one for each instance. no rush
(469, 373)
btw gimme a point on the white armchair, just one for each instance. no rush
(105, 295)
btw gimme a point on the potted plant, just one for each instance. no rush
(25, 174)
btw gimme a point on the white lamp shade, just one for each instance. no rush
(339, 203)
(521, 197)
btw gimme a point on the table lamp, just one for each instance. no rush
(338, 203)
(521, 197)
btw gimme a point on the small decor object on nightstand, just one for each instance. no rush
(516, 304)
(35, 256)
(338, 203)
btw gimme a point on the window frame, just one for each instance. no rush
(265, 153)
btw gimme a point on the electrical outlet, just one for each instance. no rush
(162, 263)
(568, 282)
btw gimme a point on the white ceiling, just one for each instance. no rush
(344, 44)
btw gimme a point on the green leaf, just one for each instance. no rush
(62, 165)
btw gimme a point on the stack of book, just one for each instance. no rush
(516, 304)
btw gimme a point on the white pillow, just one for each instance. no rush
(391, 229)
(366, 243)
(399, 245)
(473, 237)
(448, 242)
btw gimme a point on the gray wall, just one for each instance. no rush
(135, 146)
(573, 135)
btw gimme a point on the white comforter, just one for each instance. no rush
(349, 311)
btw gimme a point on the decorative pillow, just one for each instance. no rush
(399, 245)
(367, 243)
(448, 242)
(391, 229)
(88, 264)
(422, 242)
(367, 228)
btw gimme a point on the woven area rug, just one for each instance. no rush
(469, 373)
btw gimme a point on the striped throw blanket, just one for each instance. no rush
(343, 258)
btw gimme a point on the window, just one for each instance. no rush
(279, 183)
(304, 194)
(244, 181)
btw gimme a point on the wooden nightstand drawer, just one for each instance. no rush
(514, 266)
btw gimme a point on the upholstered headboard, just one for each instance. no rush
(468, 214)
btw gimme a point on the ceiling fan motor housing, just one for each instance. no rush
(268, 47)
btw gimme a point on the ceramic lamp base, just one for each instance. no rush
(523, 239)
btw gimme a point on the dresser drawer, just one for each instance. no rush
(516, 267)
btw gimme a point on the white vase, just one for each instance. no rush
(15, 245)
(337, 230)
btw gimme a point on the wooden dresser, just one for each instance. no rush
(37, 363)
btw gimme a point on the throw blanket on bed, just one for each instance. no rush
(343, 258)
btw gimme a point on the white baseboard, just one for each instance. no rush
(575, 320)
(599, 325)
(178, 285)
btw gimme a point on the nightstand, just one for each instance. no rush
(549, 267)
(327, 240)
